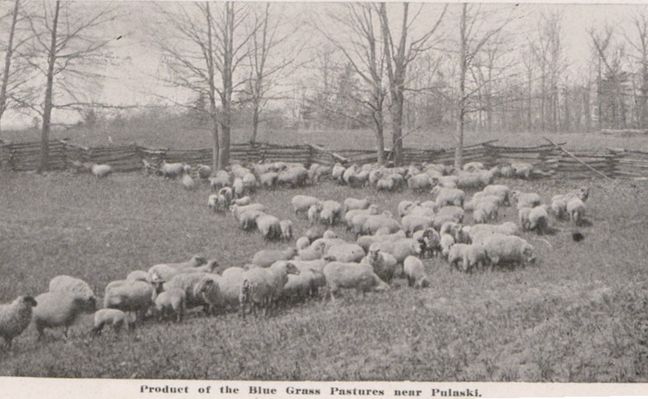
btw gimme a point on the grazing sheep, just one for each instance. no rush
(204, 171)
(164, 271)
(239, 170)
(113, 317)
(522, 169)
(314, 213)
(261, 287)
(415, 272)
(506, 171)
(169, 302)
(302, 243)
(15, 318)
(430, 241)
(470, 180)
(286, 229)
(559, 206)
(576, 210)
(470, 256)
(446, 242)
(523, 218)
(485, 211)
(219, 180)
(349, 215)
(238, 187)
(101, 170)
(172, 170)
(269, 226)
(188, 182)
(480, 232)
(137, 275)
(301, 203)
(200, 289)
(295, 176)
(268, 179)
(384, 264)
(230, 285)
(539, 219)
(448, 214)
(481, 197)
(315, 251)
(448, 196)
(266, 257)
(451, 228)
(331, 212)
(337, 172)
(237, 210)
(315, 232)
(366, 240)
(228, 193)
(248, 219)
(508, 249)
(419, 182)
(354, 203)
(352, 275)
(373, 223)
(249, 183)
(77, 287)
(316, 171)
(129, 296)
(526, 200)
(473, 167)
(56, 309)
(400, 248)
(501, 191)
(385, 184)
(243, 201)
(405, 206)
(413, 223)
(346, 252)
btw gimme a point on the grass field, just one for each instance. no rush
(580, 314)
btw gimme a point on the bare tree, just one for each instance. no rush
(639, 43)
(66, 50)
(398, 56)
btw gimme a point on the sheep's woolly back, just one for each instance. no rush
(14, 318)
(77, 287)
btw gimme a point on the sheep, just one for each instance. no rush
(268, 179)
(448, 214)
(266, 257)
(415, 272)
(200, 289)
(316, 171)
(425, 211)
(506, 170)
(539, 219)
(219, 180)
(269, 226)
(286, 227)
(137, 275)
(337, 172)
(458, 255)
(473, 167)
(480, 232)
(559, 205)
(169, 302)
(576, 210)
(261, 287)
(113, 317)
(349, 215)
(314, 213)
(451, 228)
(188, 182)
(430, 241)
(471, 180)
(375, 222)
(522, 169)
(448, 196)
(243, 201)
(172, 170)
(400, 248)
(238, 187)
(248, 219)
(352, 275)
(101, 170)
(164, 271)
(348, 173)
(346, 252)
(366, 241)
(15, 318)
(301, 203)
(446, 242)
(249, 183)
(77, 287)
(204, 171)
(230, 286)
(239, 170)
(354, 203)
(331, 212)
(237, 210)
(413, 223)
(484, 212)
(309, 280)
(302, 243)
(129, 296)
(228, 193)
(295, 176)
(405, 206)
(419, 182)
(385, 184)
(523, 217)
(383, 263)
(56, 309)
(315, 232)
(526, 200)
(481, 197)
(501, 191)
(508, 249)
(314, 251)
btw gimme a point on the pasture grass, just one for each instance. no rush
(580, 314)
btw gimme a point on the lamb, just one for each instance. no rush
(576, 210)
(261, 287)
(526, 200)
(301, 203)
(188, 182)
(101, 170)
(383, 264)
(77, 287)
(269, 226)
(559, 202)
(268, 179)
(352, 275)
(200, 289)
(346, 252)
(448, 196)
(266, 257)
(15, 318)
(56, 309)
(113, 317)
(169, 302)
(354, 203)
(129, 296)
(419, 182)
(331, 212)
(286, 229)
(314, 213)
(446, 242)
(415, 272)
(539, 219)
(430, 241)
(508, 249)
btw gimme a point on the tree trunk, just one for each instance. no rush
(7, 65)
(461, 106)
(47, 111)
(255, 123)
(397, 128)
(212, 92)
(529, 102)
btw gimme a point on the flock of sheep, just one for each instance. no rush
(387, 245)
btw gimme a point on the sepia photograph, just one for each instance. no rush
(324, 192)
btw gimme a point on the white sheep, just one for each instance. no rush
(188, 182)
(77, 287)
(373, 223)
(249, 183)
(522, 169)
(419, 182)
(383, 263)
(446, 242)
(448, 214)
(170, 302)
(204, 171)
(337, 172)
(479, 232)
(238, 187)
(101, 170)
(266, 257)
(237, 210)
(315, 251)
(430, 241)
(269, 226)
(286, 227)
(248, 219)
(482, 197)
(413, 223)
(15, 318)
(346, 252)
(302, 243)
(349, 215)
(129, 296)
(366, 240)
(261, 287)
(448, 196)
(415, 272)
(576, 210)
(137, 275)
(405, 206)
(243, 201)
(485, 211)
(164, 271)
(268, 179)
(201, 289)
(230, 286)
(56, 309)
(112, 317)
(523, 218)
(355, 203)
(508, 249)
(239, 170)
(172, 170)
(400, 248)
(313, 213)
(352, 275)
(221, 179)
(331, 212)
(473, 167)
(315, 232)
(500, 190)
(294, 176)
(539, 219)
(526, 200)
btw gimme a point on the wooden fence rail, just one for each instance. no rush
(547, 159)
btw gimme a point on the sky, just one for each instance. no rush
(133, 81)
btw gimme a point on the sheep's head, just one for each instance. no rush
(583, 193)
(27, 301)
(291, 268)
(330, 234)
(528, 253)
(212, 265)
(374, 252)
(198, 260)
(515, 194)
(373, 209)
(417, 247)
